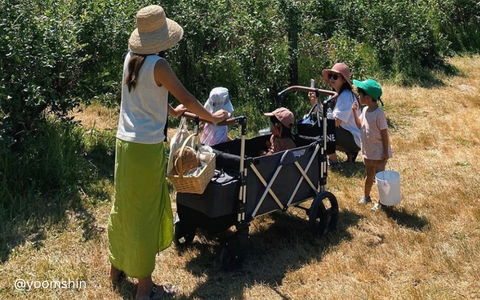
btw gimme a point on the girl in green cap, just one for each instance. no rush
(375, 145)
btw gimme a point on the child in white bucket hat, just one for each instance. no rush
(214, 134)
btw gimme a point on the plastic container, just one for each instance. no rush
(264, 131)
(388, 183)
(204, 155)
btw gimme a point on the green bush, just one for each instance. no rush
(105, 27)
(40, 63)
(401, 37)
(459, 21)
(239, 45)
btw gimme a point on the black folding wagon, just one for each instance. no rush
(247, 184)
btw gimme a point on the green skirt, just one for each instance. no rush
(141, 220)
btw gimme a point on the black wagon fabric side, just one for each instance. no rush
(219, 197)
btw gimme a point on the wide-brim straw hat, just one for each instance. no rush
(155, 32)
(339, 68)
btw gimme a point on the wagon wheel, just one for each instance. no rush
(323, 214)
(183, 235)
(230, 261)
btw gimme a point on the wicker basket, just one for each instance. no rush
(191, 184)
(187, 158)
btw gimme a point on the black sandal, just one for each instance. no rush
(168, 290)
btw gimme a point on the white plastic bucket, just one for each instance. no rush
(388, 183)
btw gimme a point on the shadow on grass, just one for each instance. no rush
(126, 289)
(286, 245)
(403, 218)
(350, 170)
(30, 225)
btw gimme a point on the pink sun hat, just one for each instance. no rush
(339, 68)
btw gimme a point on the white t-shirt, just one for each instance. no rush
(143, 111)
(343, 111)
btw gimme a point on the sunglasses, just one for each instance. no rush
(332, 76)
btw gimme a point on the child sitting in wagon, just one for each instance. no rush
(281, 123)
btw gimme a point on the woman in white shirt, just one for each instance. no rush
(347, 134)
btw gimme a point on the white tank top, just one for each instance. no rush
(143, 111)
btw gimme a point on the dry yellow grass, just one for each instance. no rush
(425, 248)
(96, 117)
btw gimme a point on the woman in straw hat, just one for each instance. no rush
(141, 220)
(347, 134)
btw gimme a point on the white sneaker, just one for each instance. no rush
(376, 206)
(365, 200)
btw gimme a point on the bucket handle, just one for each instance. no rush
(386, 169)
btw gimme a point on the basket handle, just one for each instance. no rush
(179, 157)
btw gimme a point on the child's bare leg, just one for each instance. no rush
(369, 178)
(380, 167)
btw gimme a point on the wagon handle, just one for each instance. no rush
(308, 89)
(229, 121)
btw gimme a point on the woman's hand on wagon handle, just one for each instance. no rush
(177, 111)
(220, 115)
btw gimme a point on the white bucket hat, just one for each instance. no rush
(155, 32)
(219, 99)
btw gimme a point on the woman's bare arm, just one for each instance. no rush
(165, 76)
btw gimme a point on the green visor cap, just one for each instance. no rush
(370, 86)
